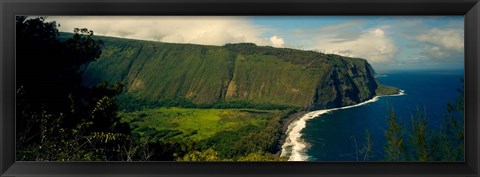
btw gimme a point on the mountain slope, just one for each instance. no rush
(205, 75)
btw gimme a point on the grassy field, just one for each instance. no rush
(386, 90)
(230, 134)
(194, 124)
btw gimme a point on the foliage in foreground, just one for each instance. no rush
(57, 118)
(421, 144)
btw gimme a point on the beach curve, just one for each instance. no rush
(294, 146)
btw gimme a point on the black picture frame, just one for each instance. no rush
(9, 9)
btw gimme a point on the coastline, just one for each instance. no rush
(291, 145)
(284, 130)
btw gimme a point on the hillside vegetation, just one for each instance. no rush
(230, 133)
(230, 76)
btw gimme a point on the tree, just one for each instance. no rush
(418, 137)
(395, 147)
(261, 156)
(446, 144)
(453, 132)
(57, 117)
(207, 155)
(367, 148)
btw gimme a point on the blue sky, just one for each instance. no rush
(387, 42)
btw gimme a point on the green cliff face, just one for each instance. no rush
(347, 82)
(155, 72)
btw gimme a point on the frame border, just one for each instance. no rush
(9, 9)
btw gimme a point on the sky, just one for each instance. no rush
(387, 42)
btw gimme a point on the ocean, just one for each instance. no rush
(338, 134)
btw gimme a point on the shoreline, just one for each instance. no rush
(297, 122)
(284, 132)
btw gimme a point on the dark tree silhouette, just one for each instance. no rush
(58, 118)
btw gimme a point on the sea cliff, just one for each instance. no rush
(156, 73)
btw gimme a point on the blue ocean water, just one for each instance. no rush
(332, 136)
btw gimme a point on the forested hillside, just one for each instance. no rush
(233, 75)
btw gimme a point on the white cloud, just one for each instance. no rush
(372, 44)
(277, 41)
(175, 29)
(451, 39)
(434, 51)
(442, 44)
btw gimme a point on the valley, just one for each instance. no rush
(231, 100)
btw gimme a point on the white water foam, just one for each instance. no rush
(402, 92)
(294, 147)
